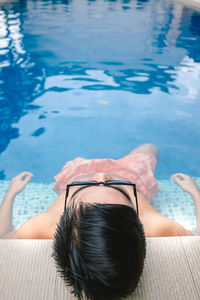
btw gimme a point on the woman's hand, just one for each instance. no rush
(19, 182)
(186, 183)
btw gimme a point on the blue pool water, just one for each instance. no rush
(96, 79)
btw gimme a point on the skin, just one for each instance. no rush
(16, 186)
(189, 186)
(43, 225)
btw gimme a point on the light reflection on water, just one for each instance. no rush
(95, 80)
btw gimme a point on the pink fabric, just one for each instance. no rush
(137, 167)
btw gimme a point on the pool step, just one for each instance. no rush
(170, 201)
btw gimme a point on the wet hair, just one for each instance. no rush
(99, 250)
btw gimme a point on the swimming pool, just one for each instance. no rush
(95, 79)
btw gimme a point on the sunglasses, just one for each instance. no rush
(111, 183)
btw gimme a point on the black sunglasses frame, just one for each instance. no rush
(104, 183)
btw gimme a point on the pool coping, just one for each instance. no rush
(171, 270)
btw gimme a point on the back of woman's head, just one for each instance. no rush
(99, 250)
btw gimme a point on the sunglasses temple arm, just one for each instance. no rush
(66, 195)
(135, 194)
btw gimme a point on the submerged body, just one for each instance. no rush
(43, 226)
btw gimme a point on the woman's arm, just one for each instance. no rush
(16, 186)
(189, 185)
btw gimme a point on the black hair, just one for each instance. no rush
(99, 250)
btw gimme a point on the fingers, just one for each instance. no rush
(28, 178)
(182, 175)
(179, 177)
(25, 176)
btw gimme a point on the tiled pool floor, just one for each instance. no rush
(170, 201)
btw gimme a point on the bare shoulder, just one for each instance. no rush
(38, 227)
(160, 226)
(172, 228)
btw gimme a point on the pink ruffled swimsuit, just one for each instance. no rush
(137, 167)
